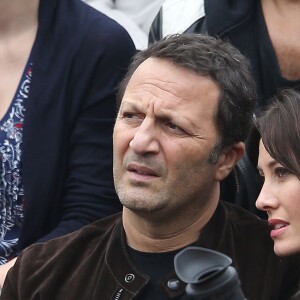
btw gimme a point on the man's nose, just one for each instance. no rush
(146, 137)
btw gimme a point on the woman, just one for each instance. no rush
(279, 165)
(60, 64)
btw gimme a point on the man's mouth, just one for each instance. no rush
(141, 170)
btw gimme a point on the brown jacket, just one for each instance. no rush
(93, 262)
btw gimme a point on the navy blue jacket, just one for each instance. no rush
(235, 21)
(79, 56)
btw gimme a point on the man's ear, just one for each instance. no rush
(228, 159)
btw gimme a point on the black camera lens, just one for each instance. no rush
(208, 274)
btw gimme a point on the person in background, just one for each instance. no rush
(265, 31)
(279, 166)
(135, 16)
(60, 65)
(185, 110)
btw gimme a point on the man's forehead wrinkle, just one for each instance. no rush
(174, 91)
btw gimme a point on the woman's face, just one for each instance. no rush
(280, 198)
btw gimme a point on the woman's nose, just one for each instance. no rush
(267, 199)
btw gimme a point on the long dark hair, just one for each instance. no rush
(279, 127)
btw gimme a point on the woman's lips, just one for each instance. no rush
(279, 227)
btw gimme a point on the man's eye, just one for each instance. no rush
(174, 127)
(128, 115)
(131, 116)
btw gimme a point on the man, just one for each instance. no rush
(186, 107)
(135, 16)
(267, 33)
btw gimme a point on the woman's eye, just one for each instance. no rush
(281, 172)
(260, 177)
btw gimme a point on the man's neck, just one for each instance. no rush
(145, 235)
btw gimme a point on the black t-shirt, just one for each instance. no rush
(157, 266)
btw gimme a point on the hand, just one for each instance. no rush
(4, 269)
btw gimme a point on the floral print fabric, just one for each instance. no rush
(11, 186)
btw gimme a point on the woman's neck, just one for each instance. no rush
(283, 7)
(17, 16)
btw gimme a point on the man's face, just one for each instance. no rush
(163, 136)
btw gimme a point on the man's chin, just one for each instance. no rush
(140, 207)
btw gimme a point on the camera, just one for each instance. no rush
(208, 275)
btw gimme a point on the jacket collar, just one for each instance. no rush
(129, 280)
(118, 262)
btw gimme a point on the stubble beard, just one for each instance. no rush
(140, 201)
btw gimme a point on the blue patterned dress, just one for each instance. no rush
(11, 185)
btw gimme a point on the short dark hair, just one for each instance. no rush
(279, 128)
(224, 64)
